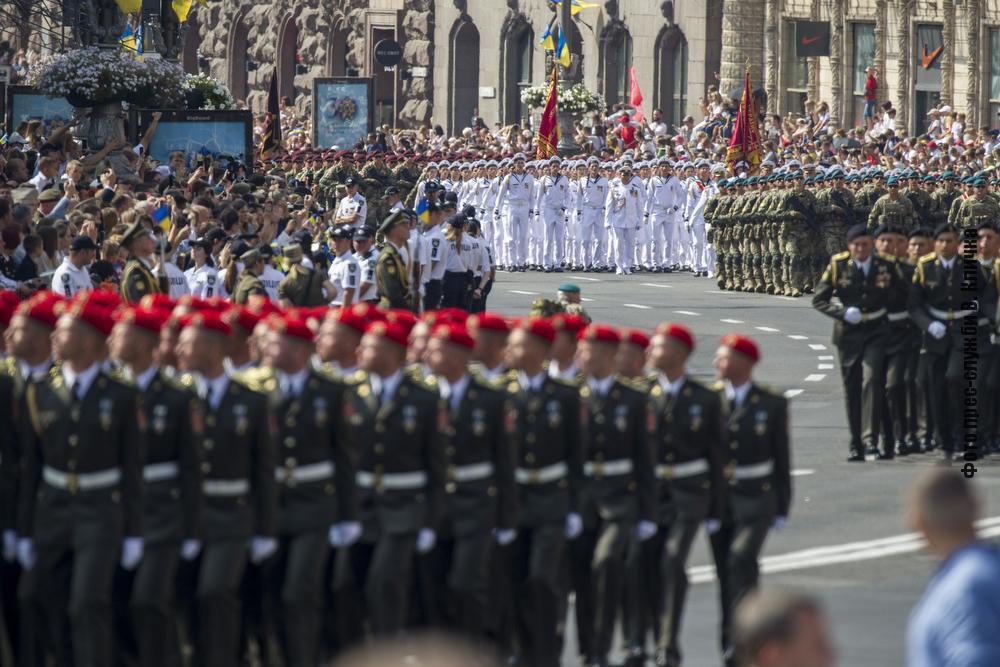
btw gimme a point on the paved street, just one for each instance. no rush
(847, 538)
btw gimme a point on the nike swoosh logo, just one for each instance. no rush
(927, 59)
(806, 41)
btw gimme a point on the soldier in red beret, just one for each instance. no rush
(490, 332)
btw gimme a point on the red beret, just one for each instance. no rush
(243, 317)
(402, 317)
(98, 316)
(742, 344)
(676, 331)
(366, 312)
(538, 326)
(99, 297)
(454, 333)
(150, 319)
(600, 333)
(568, 323)
(350, 318)
(209, 320)
(488, 322)
(162, 301)
(261, 305)
(291, 326)
(42, 308)
(636, 337)
(390, 331)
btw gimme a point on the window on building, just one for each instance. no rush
(524, 51)
(994, 119)
(617, 60)
(678, 103)
(796, 74)
(864, 56)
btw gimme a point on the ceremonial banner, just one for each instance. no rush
(745, 144)
(635, 95)
(271, 134)
(548, 128)
(342, 110)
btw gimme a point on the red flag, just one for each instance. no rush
(271, 135)
(745, 143)
(635, 95)
(548, 128)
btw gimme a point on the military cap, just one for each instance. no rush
(49, 195)
(569, 288)
(945, 228)
(350, 180)
(250, 256)
(856, 231)
(892, 181)
(394, 220)
(341, 232)
(742, 344)
(134, 231)
(292, 252)
(362, 234)
(986, 224)
(978, 183)
(391, 190)
(919, 231)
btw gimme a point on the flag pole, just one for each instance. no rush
(567, 146)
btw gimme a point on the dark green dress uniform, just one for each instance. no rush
(400, 480)
(302, 287)
(861, 345)
(903, 385)
(247, 286)
(758, 473)
(617, 491)
(551, 442)
(138, 281)
(315, 473)
(685, 430)
(988, 354)
(239, 491)
(392, 278)
(172, 423)
(80, 494)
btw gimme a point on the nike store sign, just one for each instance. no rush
(812, 38)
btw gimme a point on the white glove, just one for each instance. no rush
(574, 526)
(345, 533)
(712, 526)
(645, 530)
(9, 545)
(937, 329)
(26, 553)
(504, 536)
(262, 548)
(131, 552)
(779, 522)
(852, 315)
(425, 540)
(190, 549)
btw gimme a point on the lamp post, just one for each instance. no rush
(566, 144)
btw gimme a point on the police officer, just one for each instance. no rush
(367, 257)
(345, 272)
(138, 279)
(72, 275)
(238, 488)
(757, 470)
(172, 422)
(392, 267)
(202, 278)
(685, 429)
(616, 499)
(866, 285)
(80, 498)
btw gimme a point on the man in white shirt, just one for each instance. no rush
(515, 193)
(665, 197)
(593, 192)
(624, 206)
(345, 272)
(72, 275)
(551, 202)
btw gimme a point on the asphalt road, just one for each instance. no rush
(847, 538)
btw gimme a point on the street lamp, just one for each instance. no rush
(567, 146)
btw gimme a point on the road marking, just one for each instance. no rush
(800, 472)
(817, 346)
(686, 312)
(798, 337)
(768, 329)
(825, 357)
(792, 393)
(588, 278)
(787, 298)
(728, 321)
(520, 291)
(637, 305)
(657, 285)
(841, 553)
(815, 377)
(824, 367)
(583, 298)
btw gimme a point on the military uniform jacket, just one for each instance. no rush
(402, 437)
(239, 451)
(873, 295)
(9, 447)
(73, 437)
(248, 285)
(548, 425)
(903, 333)
(391, 276)
(757, 434)
(616, 434)
(478, 433)
(173, 424)
(302, 287)
(309, 441)
(682, 429)
(944, 296)
(138, 281)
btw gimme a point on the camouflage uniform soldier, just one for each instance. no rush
(978, 208)
(918, 197)
(942, 198)
(375, 178)
(892, 209)
(405, 175)
(867, 195)
(841, 217)
(799, 216)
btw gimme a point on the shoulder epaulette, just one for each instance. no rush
(929, 257)
(10, 365)
(718, 385)
(841, 255)
(261, 380)
(768, 389)
(355, 378)
(119, 376)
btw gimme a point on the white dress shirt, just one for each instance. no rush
(80, 382)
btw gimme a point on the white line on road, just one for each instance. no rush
(583, 298)
(824, 367)
(637, 305)
(792, 393)
(768, 329)
(817, 346)
(728, 321)
(657, 285)
(798, 337)
(825, 357)
(787, 298)
(800, 472)
(685, 312)
(521, 291)
(588, 278)
(815, 377)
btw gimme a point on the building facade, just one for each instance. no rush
(462, 55)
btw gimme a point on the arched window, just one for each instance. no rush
(238, 58)
(671, 69)
(464, 74)
(518, 50)
(287, 58)
(616, 58)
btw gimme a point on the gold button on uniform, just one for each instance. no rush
(206, 467)
(73, 440)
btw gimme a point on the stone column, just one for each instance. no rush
(975, 102)
(814, 14)
(837, 109)
(905, 10)
(771, 55)
(881, 20)
(742, 40)
(948, 56)
(418, 51)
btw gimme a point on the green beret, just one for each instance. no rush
(569, 288)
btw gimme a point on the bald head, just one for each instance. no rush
(944, 508)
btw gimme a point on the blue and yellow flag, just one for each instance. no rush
(576, 6)
(183, 7)
(128, 39)
(421, 210)
(546, 40)
(562, 51)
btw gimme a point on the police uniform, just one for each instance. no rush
(345, 274)
(202, 281)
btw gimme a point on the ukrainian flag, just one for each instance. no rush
(546, 40)
(576, 6)
(421, 210)
(562, 52)
(128, 39)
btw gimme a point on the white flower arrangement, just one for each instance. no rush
(94, 75)
(577, 100)
(215, 95)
